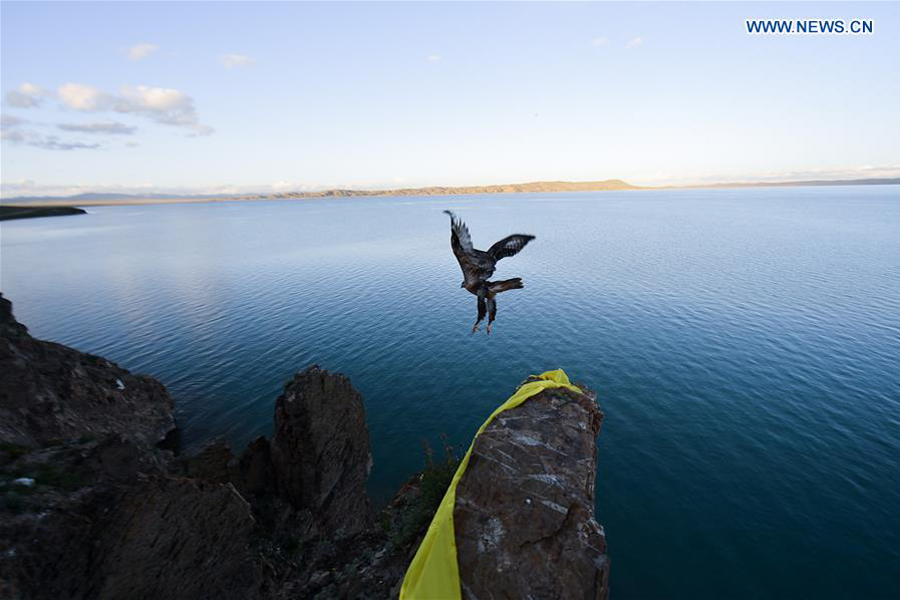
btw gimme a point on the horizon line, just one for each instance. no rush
(543, 186)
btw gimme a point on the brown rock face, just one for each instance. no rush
(320, 450)
(162, 538)
(52, 530)
(49, 392)
(180, 538)
(524, 516)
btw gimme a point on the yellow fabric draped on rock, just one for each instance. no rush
(433, 573)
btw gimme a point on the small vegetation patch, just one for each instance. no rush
(433, 484)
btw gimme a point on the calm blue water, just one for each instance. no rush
(745, 345)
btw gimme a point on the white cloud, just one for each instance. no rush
(83, 97)
(110, 127)
(27, 95)
(635, 42)
(28, 187)
(20, 185)
(230, 61)
(600, 41)
(435, 58)
(31, 89)
(166, 106)
(859, 172)
(141, 51)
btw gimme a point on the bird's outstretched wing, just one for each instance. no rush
(461, 243)
(509, 246)
(459, 234)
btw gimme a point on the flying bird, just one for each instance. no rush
(478, 265)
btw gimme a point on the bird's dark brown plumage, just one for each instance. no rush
(477, 266)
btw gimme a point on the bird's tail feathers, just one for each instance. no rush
(507, 284)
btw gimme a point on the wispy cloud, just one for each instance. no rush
(634, 43)
(230, 61)
(17, 130)
(45, 142)
(10, 121)
(201, 131)
(27, 95)
(111, 128)
(141, 51)
(435, 58)
(600, 41)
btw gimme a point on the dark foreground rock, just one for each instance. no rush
(94, 507)
(320, 449)
(50, 392)
(524, 515)
(179, 538)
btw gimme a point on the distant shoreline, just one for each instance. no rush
(512, 188)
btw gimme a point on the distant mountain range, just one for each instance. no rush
(508, 188)
(90, 198)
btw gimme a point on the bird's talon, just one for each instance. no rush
(489, 330)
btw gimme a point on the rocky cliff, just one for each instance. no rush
(524, 516)
(51, 392)
(94, 506)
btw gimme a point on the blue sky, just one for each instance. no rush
(237, 97)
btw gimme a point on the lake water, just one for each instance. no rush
(745, 345)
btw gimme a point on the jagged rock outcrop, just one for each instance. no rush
(92, 507)
(50, 392)
(524, 516)
(312, 474)
(320, 450)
